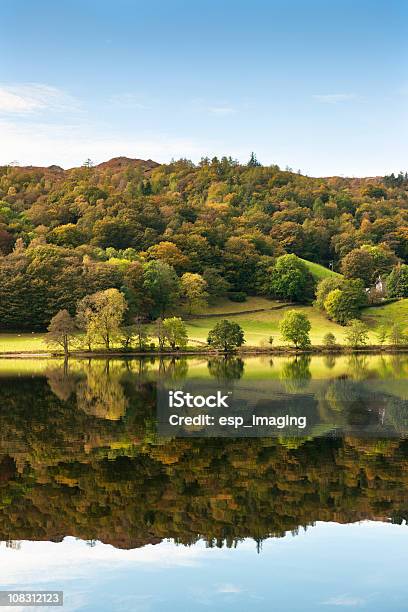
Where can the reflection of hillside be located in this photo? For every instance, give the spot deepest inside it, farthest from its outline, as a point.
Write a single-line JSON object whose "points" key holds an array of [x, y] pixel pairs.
{"points": [[79, 456]]}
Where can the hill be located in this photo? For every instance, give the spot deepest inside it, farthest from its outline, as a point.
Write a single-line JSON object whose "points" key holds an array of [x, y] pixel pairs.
{"points": [[135, 225]]}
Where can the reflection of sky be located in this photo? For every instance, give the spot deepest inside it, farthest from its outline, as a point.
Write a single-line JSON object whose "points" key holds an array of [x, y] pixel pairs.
{"points": [[329, 567]]}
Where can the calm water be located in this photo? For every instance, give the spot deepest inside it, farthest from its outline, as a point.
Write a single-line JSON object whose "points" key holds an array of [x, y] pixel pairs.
{"points": [[93, 502]]}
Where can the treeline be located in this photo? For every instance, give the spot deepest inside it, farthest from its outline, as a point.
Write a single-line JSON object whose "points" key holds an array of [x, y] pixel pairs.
{"points": [[171, 237]]}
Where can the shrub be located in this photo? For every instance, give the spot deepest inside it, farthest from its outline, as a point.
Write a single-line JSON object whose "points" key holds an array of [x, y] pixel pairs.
{"points": [[329, 340]]}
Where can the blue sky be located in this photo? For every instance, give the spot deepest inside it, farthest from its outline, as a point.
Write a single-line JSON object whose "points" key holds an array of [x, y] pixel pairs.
{"points": [[316, 85]]}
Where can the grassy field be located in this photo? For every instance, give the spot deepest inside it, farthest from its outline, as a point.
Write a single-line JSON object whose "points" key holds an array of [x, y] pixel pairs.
{"points": [[258, 326], [22, 343]]}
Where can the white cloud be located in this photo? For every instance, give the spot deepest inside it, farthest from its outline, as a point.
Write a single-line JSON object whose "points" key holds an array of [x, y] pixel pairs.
{"points": [[129, 100], [34, 97], [335, 98], [69, 144], [229, 588], [345, 601], [39, 563], [221, 110]]}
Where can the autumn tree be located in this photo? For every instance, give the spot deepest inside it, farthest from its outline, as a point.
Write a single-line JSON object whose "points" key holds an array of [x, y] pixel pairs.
{"points": [[62, 331], [194, 291], [101, 314]]}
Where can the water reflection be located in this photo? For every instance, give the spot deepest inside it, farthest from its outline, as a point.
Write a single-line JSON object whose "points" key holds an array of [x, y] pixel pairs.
{"points": [[79, 455]]}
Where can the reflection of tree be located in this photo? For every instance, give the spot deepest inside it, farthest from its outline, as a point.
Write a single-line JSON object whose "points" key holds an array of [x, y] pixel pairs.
{"points": [[174, 369], [226, 368], [329, 361], [62, 382], [296, 373], [358, 367], [101, 393]]}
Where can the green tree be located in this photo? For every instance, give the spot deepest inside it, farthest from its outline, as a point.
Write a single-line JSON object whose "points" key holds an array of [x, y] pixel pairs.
{"points": [[175, 332], [61, 331], [101, 315], [382, 333], [397, 282], [325, 286], [342, 305], [226, 336], [295, 327], [356, 333], [329, 340], [291, 280], [194, 291], [162, 285], [396, 333]]}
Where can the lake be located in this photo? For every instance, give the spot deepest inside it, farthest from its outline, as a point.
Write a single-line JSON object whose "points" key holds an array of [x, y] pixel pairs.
{"points": [[95, 503]]}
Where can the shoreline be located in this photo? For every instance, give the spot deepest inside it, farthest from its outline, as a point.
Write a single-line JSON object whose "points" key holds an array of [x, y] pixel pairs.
{"points": [[249, 351]]}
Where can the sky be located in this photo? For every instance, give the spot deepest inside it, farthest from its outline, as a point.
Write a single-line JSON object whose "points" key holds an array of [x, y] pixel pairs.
{"points": [[328, 568], [318, 86]]}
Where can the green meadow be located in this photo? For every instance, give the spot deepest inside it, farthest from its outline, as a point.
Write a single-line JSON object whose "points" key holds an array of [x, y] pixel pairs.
{"points": [[259, 324]]}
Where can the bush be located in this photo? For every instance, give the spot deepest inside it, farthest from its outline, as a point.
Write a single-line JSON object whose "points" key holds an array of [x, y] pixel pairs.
{"points": [[357, 333], [237, 296], [329, 340]]}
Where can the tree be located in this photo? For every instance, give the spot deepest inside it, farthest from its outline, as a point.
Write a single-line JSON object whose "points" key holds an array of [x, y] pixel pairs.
{"points": [[140, 332], [382, 334], [194, 291], [295, 327], [162, 285], [325, 286], [291, 279], [127, 334], [329, 340], [216, 284], [397, 282], [342, 305], [101, 315], [169, 253], [359, 263], [397, 333], [253, 162], [356, 334], [61, 331], [226, 336], [160, 333], [175, 332]]}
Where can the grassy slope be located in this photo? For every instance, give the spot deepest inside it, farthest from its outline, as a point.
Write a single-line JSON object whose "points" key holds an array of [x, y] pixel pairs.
{"points": [[258, 326], [317, 271], [385, 315]]}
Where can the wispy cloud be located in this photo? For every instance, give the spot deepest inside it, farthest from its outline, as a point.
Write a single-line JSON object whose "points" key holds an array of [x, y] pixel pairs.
{"points": [[335, 98], [229, 588], [68, 144], [221, 110], [29, 98], [129, 100], [345, 601]]}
